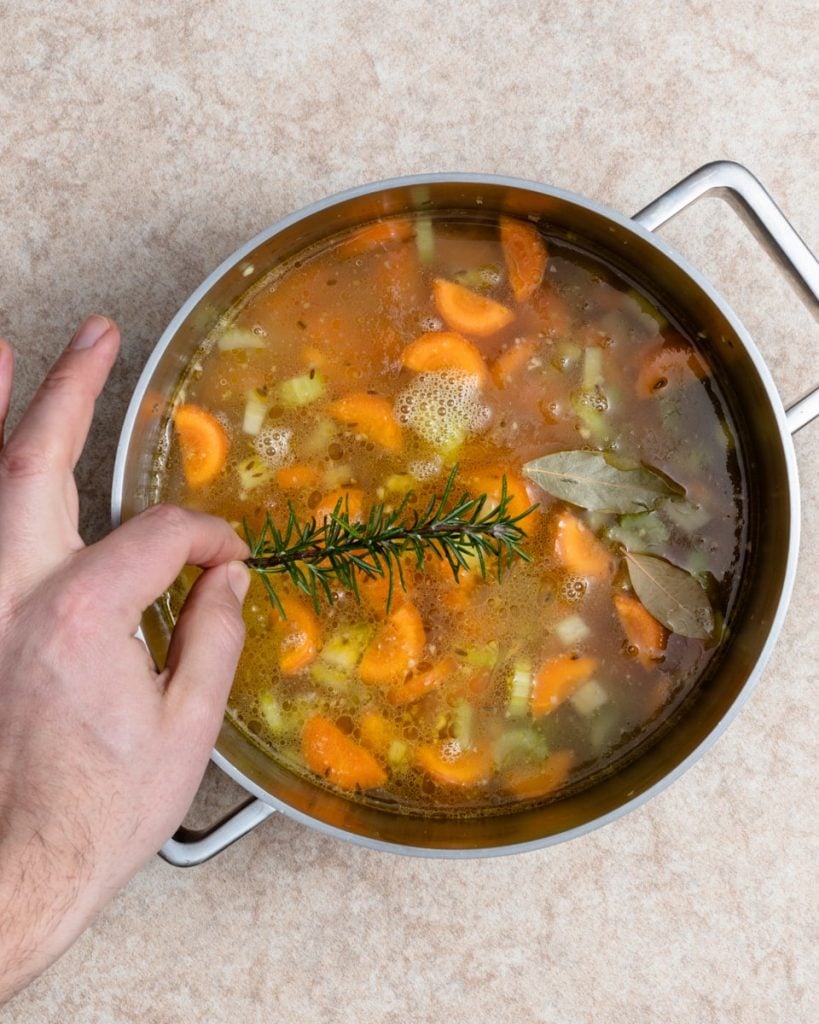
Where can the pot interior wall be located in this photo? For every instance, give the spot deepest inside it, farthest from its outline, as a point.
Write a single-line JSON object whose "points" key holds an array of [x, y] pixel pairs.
{"points": [[768, 485]]}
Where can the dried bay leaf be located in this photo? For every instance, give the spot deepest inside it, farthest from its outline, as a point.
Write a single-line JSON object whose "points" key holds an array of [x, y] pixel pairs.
{"points": [[673, 596], [589, 480]]}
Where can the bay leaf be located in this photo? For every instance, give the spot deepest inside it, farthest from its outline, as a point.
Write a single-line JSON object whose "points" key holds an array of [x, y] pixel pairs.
{"points": [[589, 480], [673, 596]]}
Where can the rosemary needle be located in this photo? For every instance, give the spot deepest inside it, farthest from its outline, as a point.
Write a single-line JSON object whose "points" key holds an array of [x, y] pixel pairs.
{"points": [[317, 557]]}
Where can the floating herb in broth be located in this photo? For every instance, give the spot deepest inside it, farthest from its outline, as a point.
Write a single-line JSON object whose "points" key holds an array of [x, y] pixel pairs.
{"points": [[415, 360]]}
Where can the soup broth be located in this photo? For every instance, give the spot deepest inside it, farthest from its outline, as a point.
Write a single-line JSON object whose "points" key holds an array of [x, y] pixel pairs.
{"points": [[368, 369]]}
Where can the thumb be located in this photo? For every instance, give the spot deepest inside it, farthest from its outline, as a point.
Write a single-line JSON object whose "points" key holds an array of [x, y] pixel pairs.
{"points": [[206, 645]]}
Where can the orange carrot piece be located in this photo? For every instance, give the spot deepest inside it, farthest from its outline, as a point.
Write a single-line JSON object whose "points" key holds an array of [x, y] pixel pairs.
{"points": [[470, 768], [666, 367], [528, 781], [580, 551], [371, 416], [337, 758], [204, 444], [457, 598], [421, 683], [552, 311], [467, 311], [396, 649], [512, 361], [374, 590], [489, 481], [294, 478], [300, 635], [642, 630], [379, 235], [352, 504], [557, 679], [525, 255], [377, 732], [444, 350]]}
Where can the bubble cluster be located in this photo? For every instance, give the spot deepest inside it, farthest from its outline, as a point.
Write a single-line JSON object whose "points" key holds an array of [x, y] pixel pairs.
{"points": [[273, 445], [443, 406]]}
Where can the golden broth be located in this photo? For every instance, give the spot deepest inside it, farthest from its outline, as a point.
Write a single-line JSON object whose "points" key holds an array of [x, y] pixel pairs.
{"points": [[501, 690]]}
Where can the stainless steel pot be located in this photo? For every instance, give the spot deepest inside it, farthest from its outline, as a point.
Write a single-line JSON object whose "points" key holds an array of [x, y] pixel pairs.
{"points": [[629, 244]]}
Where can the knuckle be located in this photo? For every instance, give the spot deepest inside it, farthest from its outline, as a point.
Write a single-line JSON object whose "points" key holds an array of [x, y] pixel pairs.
{"points": [[170, 518], [64, 378], [19, 461]]}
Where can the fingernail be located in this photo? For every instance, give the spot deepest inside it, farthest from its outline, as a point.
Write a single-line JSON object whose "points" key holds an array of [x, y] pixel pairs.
{"points": [[90, 332], [238, 576]]}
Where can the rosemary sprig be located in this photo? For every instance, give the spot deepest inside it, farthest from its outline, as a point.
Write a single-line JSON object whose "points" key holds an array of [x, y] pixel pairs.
{"points": [[315, 556]]}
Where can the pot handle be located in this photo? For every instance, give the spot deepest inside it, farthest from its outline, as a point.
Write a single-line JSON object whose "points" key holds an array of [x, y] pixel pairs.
{"points": [[190, 847], [746, 193]]}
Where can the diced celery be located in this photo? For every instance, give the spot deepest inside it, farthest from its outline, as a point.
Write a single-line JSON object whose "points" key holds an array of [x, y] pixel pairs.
{"points": [[567, 355], [588, 698], [342, 650], [337, 474], [485, 656], [256, 406], [301, 390], [592, 368], [424, 239], [326, 675], [697, 563], [685, 514], [643, 531], [481, 279], [238, 337], [593, 420], [520, 688], [253, 473], [516, 745], [399, 483], [572, 630], [397, 752], [605, 728], [463, 723], [320, 438], [655, 319], [272, 713]]}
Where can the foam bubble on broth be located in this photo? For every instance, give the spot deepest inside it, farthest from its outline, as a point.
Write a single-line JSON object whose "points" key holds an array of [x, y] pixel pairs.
{"points": [[440, 404], [273, 445]]}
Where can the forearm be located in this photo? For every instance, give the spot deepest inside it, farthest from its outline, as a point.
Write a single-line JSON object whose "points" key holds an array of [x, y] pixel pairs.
{"points": [[44, 897]]}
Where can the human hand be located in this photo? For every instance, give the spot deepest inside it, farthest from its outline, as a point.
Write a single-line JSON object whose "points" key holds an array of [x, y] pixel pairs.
{"points": [[100, 754]]}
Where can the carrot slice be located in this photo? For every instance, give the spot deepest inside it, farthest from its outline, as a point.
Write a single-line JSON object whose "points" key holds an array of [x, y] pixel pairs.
{"points": [[467, 311], [293, 478], [444, 350], [552, 311], [371, 416], [542, 780], [489, 481], [421, 683], [556, 680], [379, 235], [470, 768], [334, 756], [642, 630], [352, 504], [377, 732], [396, 649], [300, 635], [204, 444], [512, 361], [525, 256], [374, 590], [580, 551], [666, 367]]}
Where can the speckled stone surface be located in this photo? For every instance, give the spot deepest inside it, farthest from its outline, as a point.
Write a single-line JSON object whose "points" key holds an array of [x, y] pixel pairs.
{"points": [[141, 143]]}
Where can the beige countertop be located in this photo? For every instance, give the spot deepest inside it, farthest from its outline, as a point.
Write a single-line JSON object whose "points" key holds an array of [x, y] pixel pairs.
{"points": [[141, 143]]}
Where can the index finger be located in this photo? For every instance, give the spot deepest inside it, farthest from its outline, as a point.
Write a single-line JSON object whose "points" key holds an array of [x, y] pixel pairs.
{"points": [[139, 560]]}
